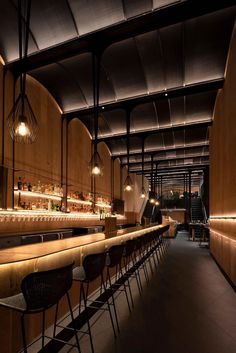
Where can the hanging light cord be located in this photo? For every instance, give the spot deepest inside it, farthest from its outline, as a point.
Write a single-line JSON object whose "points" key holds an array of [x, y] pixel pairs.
{"points": [[23, 43], [96, 74], [152, 173], [142, 162], [128, 132]]}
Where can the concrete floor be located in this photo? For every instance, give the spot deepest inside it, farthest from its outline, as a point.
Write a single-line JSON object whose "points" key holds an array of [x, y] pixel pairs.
{"points": [[187, 307]]}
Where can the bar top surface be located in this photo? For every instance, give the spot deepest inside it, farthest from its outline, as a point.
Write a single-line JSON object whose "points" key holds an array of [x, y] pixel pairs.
{"points": [[32, 251]]}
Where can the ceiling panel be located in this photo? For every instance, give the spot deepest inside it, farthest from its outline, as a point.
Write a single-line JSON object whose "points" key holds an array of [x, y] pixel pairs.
{"points": [[197, 135], [172, 51], [206, 45], [122, 62], [92, 15], [9, 44], [144, 117], [59, 26], [136, 7]]}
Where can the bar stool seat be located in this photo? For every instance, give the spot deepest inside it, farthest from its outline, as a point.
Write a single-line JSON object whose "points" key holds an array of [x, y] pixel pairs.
{"points": [[16, 302], [79, 274], [39, 292]]}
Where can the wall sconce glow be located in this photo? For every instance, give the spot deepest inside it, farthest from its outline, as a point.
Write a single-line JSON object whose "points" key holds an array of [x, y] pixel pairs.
{"points": [[157, 203], [128, 184], [152, 200]]}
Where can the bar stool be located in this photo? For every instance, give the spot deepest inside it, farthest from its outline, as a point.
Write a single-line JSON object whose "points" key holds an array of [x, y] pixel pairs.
{"points": [[92, 269], [113, 261], [39, 292], [131, 270], [140, 249]]}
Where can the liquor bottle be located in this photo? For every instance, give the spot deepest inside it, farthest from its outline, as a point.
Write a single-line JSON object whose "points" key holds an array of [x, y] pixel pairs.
{"points": [[29, 187], [20, 184], [39, 186], [25, 185]]}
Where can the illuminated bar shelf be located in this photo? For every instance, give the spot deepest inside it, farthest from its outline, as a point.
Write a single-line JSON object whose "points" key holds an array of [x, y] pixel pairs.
{"points": [[37, 194], [101, 204], [81, 202]]}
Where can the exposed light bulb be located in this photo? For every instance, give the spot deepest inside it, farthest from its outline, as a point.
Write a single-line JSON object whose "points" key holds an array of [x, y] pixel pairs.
{"points": [[128, 188], [152, 200], [22, 129], [157, 203], [142, 196], [96, 170]]}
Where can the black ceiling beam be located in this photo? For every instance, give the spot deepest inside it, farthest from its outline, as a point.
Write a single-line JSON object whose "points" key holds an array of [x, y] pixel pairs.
{"points": [[146, 133], [150, 21], [175, 168], [155, 152], [130, 103], [196, 177], [166, 159]]}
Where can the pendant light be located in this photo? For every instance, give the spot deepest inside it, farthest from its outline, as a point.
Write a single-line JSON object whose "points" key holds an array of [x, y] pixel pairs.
{"points": [[96, 164], [157, 203], [128, 184], [143, 191], [21, 121], [152, 193]]}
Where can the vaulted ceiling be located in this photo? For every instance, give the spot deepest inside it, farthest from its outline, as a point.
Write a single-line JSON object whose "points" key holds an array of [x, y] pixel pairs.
{"points": [[162, 63]]}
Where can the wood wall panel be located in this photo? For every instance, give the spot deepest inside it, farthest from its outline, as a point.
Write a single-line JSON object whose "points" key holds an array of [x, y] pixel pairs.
{"points": [[42, 160], [43, 157], [117, 180], [223, 170], [79, 155], [103, 183]]}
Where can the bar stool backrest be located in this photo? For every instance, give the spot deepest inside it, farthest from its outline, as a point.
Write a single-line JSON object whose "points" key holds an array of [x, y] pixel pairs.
{"points": [[44, 289], [129, 247], [115, 253], [93, 265]]}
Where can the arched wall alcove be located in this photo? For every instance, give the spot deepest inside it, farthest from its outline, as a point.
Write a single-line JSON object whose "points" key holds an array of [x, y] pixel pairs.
{"points": [[103, 183], [79, 155], [117, 181]]}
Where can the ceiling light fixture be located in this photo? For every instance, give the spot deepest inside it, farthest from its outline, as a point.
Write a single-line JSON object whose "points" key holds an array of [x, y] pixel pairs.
{"points": [[152, 196], [96, 164], [143, 191], [21, 121], [128, 184]]}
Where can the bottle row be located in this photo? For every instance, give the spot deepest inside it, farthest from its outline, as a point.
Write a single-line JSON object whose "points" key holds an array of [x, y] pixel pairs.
{"points": [[52, 200], [47, 188]]}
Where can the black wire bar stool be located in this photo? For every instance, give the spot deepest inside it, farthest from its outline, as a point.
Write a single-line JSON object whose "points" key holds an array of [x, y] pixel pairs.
{"points": [[39, 292], [92, 268], [113, 262], [131, 270]]}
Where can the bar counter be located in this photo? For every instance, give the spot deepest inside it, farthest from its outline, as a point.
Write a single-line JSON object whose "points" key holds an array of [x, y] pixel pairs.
{"points": [[17, 262]]}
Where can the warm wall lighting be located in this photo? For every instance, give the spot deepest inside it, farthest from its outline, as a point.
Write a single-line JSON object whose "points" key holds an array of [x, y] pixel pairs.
{"points": [[157, 203]]}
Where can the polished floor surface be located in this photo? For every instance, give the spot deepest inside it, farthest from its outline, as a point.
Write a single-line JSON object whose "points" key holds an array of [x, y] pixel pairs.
{"points": [[187, 307]]}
